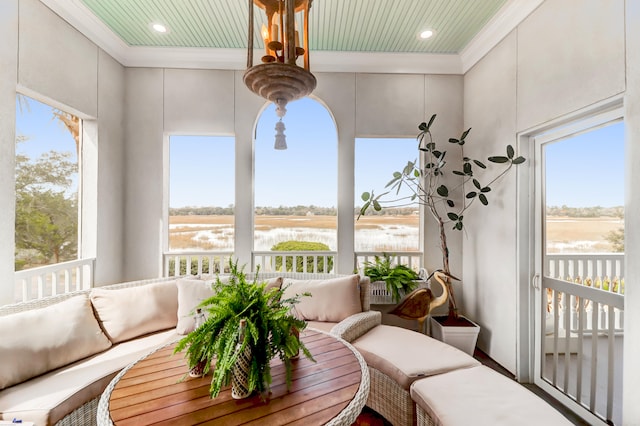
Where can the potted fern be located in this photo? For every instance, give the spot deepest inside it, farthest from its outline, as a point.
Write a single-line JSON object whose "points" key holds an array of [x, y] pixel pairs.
{"points": [[434, 185], [246, 326], [398, 279]]}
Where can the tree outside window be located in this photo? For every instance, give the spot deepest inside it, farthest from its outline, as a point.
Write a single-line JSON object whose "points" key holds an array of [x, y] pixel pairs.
{"points": [[47, 147]]}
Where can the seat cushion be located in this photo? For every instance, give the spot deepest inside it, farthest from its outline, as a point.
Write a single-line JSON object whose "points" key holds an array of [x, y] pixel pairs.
{"points": [[481, 396], [331, 300], [126, 313], [321, 325], [406, 355], [46, 399], [40, 340]]}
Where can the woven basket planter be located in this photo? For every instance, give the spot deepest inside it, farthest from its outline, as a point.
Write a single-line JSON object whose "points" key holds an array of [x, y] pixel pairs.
{"points": [[381, 296]]}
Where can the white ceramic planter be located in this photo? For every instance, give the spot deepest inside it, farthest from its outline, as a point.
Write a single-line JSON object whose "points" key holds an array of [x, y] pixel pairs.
{"points": [[463, 338]]}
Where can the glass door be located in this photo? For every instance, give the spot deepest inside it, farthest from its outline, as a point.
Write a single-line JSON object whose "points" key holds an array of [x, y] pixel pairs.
{"points": [[580, 252]]}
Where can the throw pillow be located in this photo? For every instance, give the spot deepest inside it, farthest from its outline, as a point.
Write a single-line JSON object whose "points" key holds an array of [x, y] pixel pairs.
{"points": [[193, 290], [40, 340], [331, 300], [130, 312]]}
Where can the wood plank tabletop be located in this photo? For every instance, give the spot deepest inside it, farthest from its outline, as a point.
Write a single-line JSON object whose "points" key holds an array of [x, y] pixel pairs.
{"points": [[157, 390]]}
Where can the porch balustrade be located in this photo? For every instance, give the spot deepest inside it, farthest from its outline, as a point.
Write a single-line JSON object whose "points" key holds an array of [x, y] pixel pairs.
{"points": [[588, 310], [196, 262], [275, 261], [295, 261], [584, 330], [413, 259], [51, 280]]}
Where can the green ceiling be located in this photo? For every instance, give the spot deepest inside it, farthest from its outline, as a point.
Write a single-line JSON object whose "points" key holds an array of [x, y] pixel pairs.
{"points": [[335, 25]]}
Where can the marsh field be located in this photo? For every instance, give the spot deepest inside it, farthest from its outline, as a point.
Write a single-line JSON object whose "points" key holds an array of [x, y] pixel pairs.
{"points": [[373, 233]]}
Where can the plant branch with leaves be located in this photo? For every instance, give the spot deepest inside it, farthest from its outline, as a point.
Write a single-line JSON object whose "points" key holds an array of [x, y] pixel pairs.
{"points": [[435, 187]]}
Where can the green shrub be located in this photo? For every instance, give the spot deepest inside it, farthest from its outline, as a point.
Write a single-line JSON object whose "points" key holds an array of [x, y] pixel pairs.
{"points": [[302, 246]]}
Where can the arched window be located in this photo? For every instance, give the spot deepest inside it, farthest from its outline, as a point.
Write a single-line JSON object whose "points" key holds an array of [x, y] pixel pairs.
{"points": [[295, 194]]}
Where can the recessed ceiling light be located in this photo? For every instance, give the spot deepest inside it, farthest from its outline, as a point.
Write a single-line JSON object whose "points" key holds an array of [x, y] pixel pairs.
{"points": [[159, 28], [426, 34]]}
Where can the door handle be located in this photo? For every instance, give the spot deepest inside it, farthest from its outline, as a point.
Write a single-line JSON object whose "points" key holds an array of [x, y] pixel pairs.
{"points": [[535, 281]]}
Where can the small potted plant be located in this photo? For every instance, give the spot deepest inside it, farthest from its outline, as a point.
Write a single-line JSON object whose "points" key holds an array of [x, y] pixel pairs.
{"points": [[434, 185], [246, 326], [398, 279]]}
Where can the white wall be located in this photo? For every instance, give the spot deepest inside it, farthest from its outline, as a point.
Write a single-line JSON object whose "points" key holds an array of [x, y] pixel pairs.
{"points": [[444, 97], [144, 100], [109, 214], [56, 61], [8, 79], [561, 59], [489, 283]]}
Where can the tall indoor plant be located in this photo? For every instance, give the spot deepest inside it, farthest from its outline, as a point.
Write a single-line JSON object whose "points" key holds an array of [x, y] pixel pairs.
{"points": [[434, 184], [248, 322]]}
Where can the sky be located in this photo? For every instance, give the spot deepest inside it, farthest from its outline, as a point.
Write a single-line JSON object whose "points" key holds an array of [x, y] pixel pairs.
{"points": [[303, 174], [583, 171], [586, 170], [35, 121]]}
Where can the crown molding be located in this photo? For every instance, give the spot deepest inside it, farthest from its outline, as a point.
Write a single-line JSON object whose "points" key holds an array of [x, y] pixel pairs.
{"points": [[507, 18], [321, 61], [379, 62]]}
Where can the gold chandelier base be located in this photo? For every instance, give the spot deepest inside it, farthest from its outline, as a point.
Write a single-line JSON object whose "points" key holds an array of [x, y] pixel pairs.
{"points": [[278, 82]]}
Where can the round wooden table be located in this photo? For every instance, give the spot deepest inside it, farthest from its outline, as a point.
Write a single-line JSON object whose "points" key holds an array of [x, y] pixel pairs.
{"points": [[154, 390]]}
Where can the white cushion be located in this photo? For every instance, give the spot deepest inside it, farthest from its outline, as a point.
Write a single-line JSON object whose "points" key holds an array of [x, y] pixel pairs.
{"points": [[481, 396], [46, 399], [321, 325], [406, 355], [36, 341], [332, 300], [130, 312], [193, 290]]}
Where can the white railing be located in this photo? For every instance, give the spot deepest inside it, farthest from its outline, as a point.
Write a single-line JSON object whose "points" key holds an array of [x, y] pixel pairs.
{"points": [[583, 327], [599, 270], [196, 262], [585, 362], [51, 280], [204, 262], [604, 272], [413, 259], [304, 261]]}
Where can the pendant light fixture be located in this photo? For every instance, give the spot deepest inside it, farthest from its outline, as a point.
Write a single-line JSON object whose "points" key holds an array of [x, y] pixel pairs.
{"points": [[279, 78]]}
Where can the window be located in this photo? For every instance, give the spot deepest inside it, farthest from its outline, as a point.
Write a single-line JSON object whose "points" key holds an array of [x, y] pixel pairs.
{"points": [[47, 182], [392, 229], [295, 188], [584, 190], [201, 193]]}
